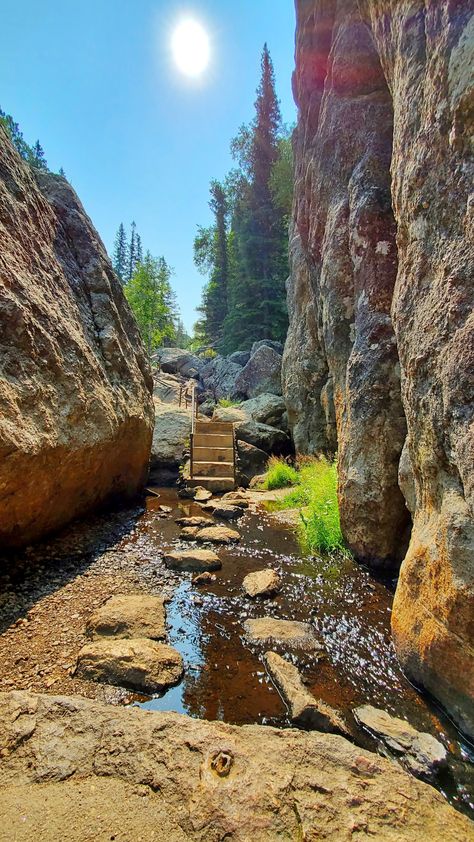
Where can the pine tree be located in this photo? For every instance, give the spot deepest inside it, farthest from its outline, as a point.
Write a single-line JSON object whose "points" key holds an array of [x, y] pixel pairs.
{"points": [[62, 173], [138, 249], [119, 258], [38, 159], [16, 136], [132, 252]]}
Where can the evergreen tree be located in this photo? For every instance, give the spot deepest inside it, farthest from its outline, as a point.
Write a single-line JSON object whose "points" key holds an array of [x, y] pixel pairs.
{"points": [[210, 255], [132, 252], [37, 158], [62, 173], [119, 258], [139, 253]]}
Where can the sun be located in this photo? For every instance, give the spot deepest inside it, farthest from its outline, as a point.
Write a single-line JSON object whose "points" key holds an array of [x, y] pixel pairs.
{"points": [[190, 47]]}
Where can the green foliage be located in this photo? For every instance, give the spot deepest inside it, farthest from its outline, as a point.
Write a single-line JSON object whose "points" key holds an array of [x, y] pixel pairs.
{"points": [[34, 155], [208, 354], [211, 258], [119, 257], [279, 474], [151, 298], [282, 177], [316, 496], [228, 402]]}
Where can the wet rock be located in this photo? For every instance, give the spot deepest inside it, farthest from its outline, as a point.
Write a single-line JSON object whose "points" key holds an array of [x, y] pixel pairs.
{"points": [[261, 374], [165, 509], [205, 578], [292, 634], [76, 414], [194, 520], [236, 498], [128, 616], [218, 535], [305, 710], [420, 753], [192, 560], [262, 583], [213, 779], [189, 533], [228, 512], [138, 664]]}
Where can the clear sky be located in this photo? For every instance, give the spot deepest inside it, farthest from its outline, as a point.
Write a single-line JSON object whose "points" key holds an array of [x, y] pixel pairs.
{"points": [[96, 83]]}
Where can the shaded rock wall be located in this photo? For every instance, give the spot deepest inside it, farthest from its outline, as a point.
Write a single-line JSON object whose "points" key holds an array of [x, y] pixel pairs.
{"points": [[76, 415], [383, 229]]}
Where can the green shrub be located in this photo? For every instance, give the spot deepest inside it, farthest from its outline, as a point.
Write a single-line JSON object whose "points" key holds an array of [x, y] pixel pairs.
{"points": [[316, 495], [280, 474], [227, 402]]}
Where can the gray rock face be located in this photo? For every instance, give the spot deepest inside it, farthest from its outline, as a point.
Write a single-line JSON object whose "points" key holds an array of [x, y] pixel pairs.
{"points": [[251, 461], [305, 710], [177, 361], [175, 763], [262, 374], [266, 409], [420, 753], [262, 436], [76, 415], [139, 664], [381, 303], [170, 437], [219, 376], [239, 357], [267, 343], [128, 616]]}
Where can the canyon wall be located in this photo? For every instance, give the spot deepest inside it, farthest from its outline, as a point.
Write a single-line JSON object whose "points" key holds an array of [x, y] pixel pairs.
{"points": [[76, 414], [379, 360]]}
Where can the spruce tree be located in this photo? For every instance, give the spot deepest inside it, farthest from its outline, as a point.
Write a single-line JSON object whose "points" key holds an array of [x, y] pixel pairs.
{"points": [[62, 173], [119, 258], [132, 252], [138, 249], [38, 159]]}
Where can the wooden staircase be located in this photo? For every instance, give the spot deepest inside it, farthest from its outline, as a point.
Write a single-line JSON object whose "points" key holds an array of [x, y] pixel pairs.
{"points": [[213, 455]]}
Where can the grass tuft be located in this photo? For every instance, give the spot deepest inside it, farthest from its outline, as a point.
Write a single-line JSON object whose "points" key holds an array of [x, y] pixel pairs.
{"points": [[228, 402], [279, 474]]}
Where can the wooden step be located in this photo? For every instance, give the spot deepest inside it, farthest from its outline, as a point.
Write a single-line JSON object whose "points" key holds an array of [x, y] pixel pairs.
{"points": [[214, 427], [213, 454], [212, 440], [213, 469], [214, 484]]}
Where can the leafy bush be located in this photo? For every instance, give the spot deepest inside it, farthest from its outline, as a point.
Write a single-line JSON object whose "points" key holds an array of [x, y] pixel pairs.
{"points": [[280, 474], [227, 402], [208, 354], [316, 495]]}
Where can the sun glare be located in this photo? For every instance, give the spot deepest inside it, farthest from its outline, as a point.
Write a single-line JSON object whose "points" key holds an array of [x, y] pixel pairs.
{"points": [[190, 46]]}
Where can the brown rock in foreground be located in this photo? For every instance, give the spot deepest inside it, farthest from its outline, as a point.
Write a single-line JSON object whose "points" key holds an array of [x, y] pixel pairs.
{"points": [[76, 415], [290, 633], [211, 780], [305, 710], [139, 664], [128, 616], [262, 583], [380, 351], [218, 535], [199, 560]]}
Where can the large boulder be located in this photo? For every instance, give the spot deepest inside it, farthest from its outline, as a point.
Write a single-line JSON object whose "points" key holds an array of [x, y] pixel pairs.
{"points": [[170, 437], [266, 409], [239, 357], [177, 361], [129, 615], [218, 377], [266, 343], [139, 663], [262, 436], [251, 462], [381, 302], [192, 780], [76, 415], [261, 374]]}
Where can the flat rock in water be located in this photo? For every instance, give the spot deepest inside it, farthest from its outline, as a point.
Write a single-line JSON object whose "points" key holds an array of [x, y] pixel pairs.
{"points": [[228, 512], [166, 509], [262, 583], [205, 578], [199, 560], [189, 533], [202, 495], [195, 520], [218, 535], [305, 710], [419, 752], [139, 664], [293, 634], [127, 616]]}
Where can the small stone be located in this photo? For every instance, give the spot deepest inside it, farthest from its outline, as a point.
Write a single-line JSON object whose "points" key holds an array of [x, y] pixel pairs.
{"points": [[202, 495], [189, 533], [166, 509], [200, 560], [291, 633], [262, 583], [139, 664], [227, 512], [204, 578], [195, 520], [218, 535], [418, 752], [305, 710]]}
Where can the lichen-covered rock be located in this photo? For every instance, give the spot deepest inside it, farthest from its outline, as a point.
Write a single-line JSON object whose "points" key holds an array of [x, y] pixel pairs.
{"points": [[266, 409], [267, 343], [261, 374], [209, 780], [381, 303], [76, 415], [262, 436]]}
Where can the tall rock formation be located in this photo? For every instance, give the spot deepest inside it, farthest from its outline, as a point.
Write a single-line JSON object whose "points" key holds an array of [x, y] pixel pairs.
{"points": [[76, 414], [381, 304]]}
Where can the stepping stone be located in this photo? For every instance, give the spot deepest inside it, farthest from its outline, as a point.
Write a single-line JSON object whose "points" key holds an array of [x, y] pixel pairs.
{"points": [[127, 616], [165, 509], [305, 710], [199, 560], [138, 664], [227, 512], [292, 634], [189, 533], [262, 583], [202, 495], [236, 498], [218, 535], [204, 578], [418, 752], [195, 520]]}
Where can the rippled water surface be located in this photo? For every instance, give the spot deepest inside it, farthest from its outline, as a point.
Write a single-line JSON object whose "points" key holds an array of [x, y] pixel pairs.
{"points": [[225, 677]]}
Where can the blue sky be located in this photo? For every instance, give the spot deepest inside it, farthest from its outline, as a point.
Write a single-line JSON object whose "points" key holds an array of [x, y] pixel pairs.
{"points": [[95, 82]]}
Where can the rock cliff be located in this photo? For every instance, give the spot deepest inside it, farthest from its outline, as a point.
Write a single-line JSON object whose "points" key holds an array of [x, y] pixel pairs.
{"points": [[76, 415], [379, 358]]}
